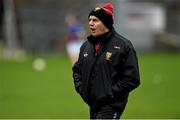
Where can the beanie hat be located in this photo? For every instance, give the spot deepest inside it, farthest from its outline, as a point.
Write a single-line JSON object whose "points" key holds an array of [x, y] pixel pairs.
{"points": [[105, 14]]}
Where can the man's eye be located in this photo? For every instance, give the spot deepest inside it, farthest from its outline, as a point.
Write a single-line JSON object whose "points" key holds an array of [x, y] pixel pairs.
{"points": [[90, 20]]}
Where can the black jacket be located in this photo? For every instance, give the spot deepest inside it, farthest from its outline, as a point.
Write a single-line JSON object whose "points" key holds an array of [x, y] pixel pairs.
{"points": [[108, 76]]}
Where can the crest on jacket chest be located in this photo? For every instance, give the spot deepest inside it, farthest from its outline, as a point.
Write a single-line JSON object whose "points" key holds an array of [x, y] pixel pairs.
{"points": [[108, 55]]}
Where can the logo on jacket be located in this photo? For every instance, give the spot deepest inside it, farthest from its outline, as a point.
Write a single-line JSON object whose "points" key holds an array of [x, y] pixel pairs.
{"points": [[116, 47], [85, 54], [108, 55]]}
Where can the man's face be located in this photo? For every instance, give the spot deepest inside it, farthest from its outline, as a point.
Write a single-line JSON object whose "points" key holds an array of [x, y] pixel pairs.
{"points": [[97, 27]]}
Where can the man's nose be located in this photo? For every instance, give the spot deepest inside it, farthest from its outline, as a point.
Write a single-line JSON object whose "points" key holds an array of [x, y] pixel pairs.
{"points": [[91, 22]]}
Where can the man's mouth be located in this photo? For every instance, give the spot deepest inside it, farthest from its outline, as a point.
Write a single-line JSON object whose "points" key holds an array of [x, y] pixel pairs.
{"points": [[92, 30]]}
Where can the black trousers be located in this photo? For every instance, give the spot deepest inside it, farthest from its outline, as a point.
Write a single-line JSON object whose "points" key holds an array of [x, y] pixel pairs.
{"points": [[107, 112]]}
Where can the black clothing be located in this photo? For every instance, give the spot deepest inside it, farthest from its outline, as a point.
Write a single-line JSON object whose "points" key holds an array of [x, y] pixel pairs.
{"points": [[107, 112], [108, 76]]}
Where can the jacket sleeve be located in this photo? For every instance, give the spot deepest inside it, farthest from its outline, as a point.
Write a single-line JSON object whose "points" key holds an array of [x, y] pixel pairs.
{"points": [[77, 76], [129, 77]]}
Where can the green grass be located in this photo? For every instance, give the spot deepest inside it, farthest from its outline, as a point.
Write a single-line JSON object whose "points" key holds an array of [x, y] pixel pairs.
{"points": [[28, 93], [159, 93]]}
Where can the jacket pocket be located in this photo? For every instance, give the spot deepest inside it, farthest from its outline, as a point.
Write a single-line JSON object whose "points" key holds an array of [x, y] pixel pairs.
{"points": [[118, 95]]}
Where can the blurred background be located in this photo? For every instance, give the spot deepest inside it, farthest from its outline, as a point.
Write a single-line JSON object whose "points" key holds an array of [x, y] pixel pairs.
{"points": [[35, 70]]}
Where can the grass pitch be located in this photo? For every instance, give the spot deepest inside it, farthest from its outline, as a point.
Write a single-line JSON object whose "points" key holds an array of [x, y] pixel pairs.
{"points": [[48, 93]]}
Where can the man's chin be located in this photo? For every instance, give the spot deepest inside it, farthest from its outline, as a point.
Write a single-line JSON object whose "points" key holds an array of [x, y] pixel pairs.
{"points": [[95, 35]]}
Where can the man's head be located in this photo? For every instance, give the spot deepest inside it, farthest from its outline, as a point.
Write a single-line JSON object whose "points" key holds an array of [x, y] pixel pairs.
{"points": [[101, 19]]}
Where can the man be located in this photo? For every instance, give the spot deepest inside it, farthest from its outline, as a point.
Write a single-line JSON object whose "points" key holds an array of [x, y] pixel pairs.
{"points": [[107, 68]]}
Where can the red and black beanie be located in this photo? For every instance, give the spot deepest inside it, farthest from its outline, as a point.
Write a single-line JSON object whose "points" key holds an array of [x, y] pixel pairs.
{"points": [[105, 14]]}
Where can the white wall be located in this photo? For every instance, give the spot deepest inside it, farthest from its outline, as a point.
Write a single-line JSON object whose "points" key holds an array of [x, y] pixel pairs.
{"points": [[139, 22]]}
